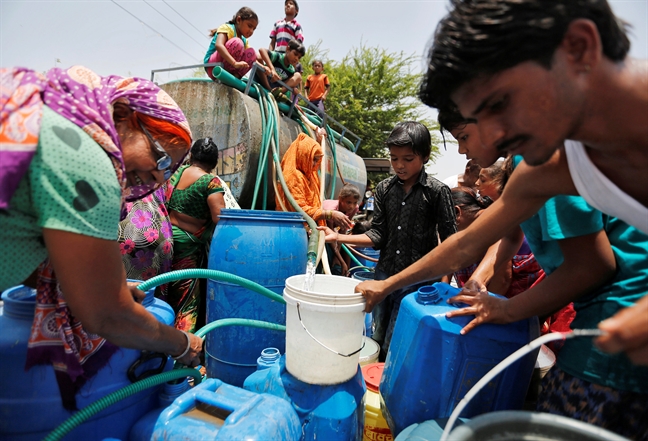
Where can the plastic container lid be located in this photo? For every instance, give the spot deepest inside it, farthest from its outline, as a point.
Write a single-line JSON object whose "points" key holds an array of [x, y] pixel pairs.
{"points": [[369, 353], [546, 358], [372, 374]]}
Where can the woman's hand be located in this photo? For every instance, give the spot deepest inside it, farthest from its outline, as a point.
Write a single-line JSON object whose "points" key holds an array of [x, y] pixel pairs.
{"points": [[374, 291], [485, 308], [240, 65], [138, 294], [192, 357], [330, 235], [627, 331], [341, 220]]}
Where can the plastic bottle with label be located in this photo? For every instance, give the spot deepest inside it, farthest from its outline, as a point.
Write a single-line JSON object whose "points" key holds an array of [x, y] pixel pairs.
{"points": [[375, 428]]}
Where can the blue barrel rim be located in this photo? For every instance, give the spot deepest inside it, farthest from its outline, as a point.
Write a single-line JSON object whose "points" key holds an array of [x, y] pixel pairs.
{"points": [[267, 215], [361, 275], [14, 294]]}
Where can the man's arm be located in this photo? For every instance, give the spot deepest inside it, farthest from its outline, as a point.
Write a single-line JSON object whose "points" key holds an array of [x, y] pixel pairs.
{"points": [[528, 189], [588, 264], [495, 262]]}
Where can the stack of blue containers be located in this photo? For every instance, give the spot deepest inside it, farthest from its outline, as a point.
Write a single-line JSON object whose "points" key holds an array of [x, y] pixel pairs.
{"points": [[30, 402], [265, 247]]}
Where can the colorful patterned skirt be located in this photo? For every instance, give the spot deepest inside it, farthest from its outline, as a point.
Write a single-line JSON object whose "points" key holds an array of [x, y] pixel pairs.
{"points": [[186, 296], [622, 412]]}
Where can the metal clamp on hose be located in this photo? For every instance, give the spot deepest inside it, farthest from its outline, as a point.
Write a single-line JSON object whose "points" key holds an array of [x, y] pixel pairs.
{"points": [[326, 347], [145, 357]]}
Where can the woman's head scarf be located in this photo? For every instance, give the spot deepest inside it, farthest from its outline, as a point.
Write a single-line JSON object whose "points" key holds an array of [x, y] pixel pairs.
{"points": [[84, 98], [300, 174]]}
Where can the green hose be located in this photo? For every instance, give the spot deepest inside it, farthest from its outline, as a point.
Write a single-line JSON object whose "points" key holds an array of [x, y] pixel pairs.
{"points": [[238, 322], [354, 258], [89, 411], [230, 80], [313, 240], [334, 170], [201, 273], [263, 150]]}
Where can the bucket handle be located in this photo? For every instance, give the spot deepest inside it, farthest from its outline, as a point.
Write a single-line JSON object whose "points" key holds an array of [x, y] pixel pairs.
{"points": [[323, 345]]}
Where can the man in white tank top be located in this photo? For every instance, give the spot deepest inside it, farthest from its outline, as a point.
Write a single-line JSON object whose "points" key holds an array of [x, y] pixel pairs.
{"points": [[532, 74]]}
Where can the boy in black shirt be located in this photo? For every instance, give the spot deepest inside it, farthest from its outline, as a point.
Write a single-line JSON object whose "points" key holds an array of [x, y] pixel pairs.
{"points": [[412, 212]]}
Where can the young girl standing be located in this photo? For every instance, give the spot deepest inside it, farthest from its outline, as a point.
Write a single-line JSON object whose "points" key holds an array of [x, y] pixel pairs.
{"points": [[229, 44]]}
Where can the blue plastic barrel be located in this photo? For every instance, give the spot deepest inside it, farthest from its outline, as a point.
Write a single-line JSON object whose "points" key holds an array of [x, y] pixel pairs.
{"points": [[369, 252], [30, 402], [430, 367], [214, 410], [331, 413], [364, 275], [265, 247]]}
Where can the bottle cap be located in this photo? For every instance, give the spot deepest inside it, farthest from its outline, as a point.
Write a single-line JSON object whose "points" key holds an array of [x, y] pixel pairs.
{"points": [[372, 374], [428, 295]]}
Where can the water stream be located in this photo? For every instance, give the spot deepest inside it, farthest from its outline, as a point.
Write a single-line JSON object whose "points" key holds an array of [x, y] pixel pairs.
{"points": [[309, 280]]}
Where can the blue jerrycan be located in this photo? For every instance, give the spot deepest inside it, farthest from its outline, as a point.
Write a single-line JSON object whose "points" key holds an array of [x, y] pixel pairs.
{"points": [[216, 411], [431, 366]]}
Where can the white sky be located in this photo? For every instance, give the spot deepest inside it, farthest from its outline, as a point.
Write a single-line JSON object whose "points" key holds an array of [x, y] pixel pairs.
{"points": [[103, 36]]}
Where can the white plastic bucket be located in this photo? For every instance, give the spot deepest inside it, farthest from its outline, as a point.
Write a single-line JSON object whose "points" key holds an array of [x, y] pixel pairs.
{"points": [[369, 354], [324, 329]]}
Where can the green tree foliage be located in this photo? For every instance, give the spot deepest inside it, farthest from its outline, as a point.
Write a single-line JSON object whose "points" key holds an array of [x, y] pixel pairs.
{"points": [[372, 90]]}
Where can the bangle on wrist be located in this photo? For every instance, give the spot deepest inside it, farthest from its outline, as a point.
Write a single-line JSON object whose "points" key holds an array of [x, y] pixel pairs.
{"points": [[186, 351]]}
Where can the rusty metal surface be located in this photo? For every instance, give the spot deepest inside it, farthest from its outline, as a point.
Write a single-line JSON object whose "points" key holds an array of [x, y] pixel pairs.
{"points": [[233, 120]]}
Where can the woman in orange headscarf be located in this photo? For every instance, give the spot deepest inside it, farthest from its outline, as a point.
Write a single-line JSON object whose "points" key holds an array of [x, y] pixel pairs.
{"points": [[299, 165]]}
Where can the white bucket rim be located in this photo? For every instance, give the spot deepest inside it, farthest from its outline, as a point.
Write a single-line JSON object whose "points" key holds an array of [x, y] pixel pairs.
{"points": [[336, 300], [327, 305], [296, 282]]}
